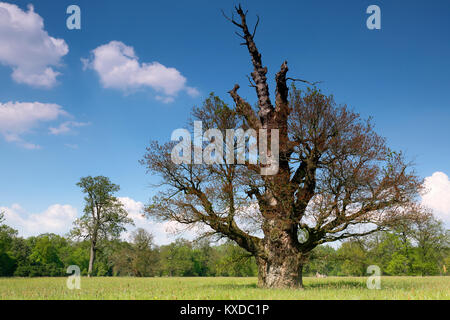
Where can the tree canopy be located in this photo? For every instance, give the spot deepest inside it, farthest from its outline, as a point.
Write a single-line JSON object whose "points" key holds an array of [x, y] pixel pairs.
{"points": [[336, 178], [104, 216]]}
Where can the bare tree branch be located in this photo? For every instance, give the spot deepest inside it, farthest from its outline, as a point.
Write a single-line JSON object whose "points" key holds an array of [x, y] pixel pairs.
{"points": [[259, 72], [305, 81], [245, 109]]}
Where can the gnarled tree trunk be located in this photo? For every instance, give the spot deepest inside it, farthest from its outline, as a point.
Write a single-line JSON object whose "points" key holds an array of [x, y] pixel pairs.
{"points": [[280, 262], [280, 272]]}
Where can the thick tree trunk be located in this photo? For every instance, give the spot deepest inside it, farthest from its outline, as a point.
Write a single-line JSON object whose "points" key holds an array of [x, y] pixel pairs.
{"points": [[281, 266], [92, 258], [285, 275]]}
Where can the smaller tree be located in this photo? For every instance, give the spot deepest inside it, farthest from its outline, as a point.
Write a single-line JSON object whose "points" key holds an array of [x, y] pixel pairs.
{"points": [[7, 236], [121, 259], [233, 261], [177, 260], [323, 260], [144, 258], [353, 257], [104, 215], [398, 264], [20, 251], [46, 254], [432, 241]]}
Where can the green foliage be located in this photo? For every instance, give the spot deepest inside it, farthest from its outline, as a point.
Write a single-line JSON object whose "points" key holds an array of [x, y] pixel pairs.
{"points": [[417, 250], [177, 259], [398, 264], [7, 261], [323, 260], [104, 216], [353, 258], [232, 261], [138, 258], [78, 254], [7, 236], [7, 264]]}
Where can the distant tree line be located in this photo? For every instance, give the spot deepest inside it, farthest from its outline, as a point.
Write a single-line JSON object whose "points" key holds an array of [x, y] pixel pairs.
{"points": [[414, 247], [411, 251], [420, 251], [50, 255]]}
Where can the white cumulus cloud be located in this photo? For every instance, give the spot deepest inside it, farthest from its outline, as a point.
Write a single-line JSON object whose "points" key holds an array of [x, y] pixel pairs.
{"points": [[56, 219], [59, 219], [119, 68], [18, 118], [163, 232], [437, 195], [27, 48]]}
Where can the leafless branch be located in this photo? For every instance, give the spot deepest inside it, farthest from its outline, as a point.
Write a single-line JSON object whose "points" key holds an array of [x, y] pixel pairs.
{"points": [[305, 81]]}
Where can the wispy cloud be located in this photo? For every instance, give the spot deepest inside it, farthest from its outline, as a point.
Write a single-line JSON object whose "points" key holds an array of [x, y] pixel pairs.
{"points": [[67, 127], [71, 146]]}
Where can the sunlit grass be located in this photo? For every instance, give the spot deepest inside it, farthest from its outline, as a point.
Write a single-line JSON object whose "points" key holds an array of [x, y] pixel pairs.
{"points": [[346, 288]]}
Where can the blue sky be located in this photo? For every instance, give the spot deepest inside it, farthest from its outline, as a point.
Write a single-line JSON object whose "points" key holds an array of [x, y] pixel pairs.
{"points": [[399, 75]]}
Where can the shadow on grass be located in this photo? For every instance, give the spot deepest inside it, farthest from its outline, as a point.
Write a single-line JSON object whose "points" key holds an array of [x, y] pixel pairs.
{"points": [[231, 286], [343, 284]]}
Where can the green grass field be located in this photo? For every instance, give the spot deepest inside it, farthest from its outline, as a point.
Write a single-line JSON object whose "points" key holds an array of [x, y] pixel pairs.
{"points": [[403, 288]]}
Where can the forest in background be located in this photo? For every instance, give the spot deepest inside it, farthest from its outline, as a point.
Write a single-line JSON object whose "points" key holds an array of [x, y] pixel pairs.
{"points": [[397, 252]]}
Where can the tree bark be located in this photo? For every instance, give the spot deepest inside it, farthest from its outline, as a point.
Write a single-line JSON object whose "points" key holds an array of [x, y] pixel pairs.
{"points": [[281, 265], [94, 238], [92, 258], [287, 274]]}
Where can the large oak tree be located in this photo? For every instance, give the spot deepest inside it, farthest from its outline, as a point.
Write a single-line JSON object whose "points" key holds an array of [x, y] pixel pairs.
{"points": [[337, 178]]}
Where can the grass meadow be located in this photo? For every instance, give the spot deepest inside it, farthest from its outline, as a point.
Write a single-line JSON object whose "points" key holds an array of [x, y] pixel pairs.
{"points": [[341, 288]]}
